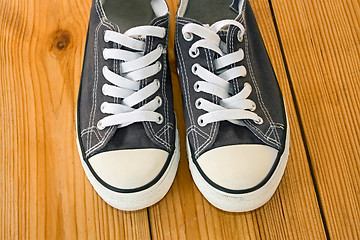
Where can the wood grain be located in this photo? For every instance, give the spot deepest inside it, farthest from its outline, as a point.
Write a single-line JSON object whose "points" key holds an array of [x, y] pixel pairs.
{"points": [[321, 42], [185, 214], [44, 191]]}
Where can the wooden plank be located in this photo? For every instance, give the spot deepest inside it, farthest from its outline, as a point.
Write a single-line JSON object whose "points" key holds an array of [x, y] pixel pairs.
{"points": [[44, 193], [292, 213], [321, 42]]}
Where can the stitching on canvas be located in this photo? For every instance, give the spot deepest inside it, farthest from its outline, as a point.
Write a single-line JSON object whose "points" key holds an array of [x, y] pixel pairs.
{"points": [[257, 131], [262, 105], [148, 125], [231, 42], [183, 73], [212, 129], [166, 106], [163, 129], [103, 22], [152, 132], [198, 131], [88, 142], [213, 125], [90, 131], [83, 132]]}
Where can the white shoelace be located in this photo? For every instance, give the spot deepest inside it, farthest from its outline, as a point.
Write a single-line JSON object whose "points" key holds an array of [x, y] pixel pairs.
{"points": [[135, 66], [232, 108]]}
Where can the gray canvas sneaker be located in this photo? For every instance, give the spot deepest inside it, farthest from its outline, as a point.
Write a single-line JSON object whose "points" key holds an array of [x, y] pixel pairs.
{"points": [[126, 130], [237, 131]]}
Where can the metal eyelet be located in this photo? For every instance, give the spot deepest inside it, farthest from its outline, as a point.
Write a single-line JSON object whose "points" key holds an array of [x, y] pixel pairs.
{"points": [[99, 125], [195, 53], [157, 82], [198, 103], [194, 68], [160, 119], [196, 87], [102, 106], [159, 65], [188, 36], [253, 107], [161, 47], [259, 121], [201, 122], [240, 37], [159, 100]]}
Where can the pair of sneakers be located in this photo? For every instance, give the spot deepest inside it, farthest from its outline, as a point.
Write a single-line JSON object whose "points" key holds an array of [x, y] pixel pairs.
{"points": [[237, 133]]}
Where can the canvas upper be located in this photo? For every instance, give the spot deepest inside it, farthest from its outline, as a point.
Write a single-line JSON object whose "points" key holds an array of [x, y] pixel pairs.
{"points": [[119, 147], [235, 158]]}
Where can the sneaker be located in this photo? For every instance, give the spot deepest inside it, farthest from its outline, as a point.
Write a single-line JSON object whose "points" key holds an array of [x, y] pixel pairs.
{"points": [[126, 130], [237, 131]]}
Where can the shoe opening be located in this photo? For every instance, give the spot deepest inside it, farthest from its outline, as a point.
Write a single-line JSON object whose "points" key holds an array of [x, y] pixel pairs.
{"points": [[127, 14]]}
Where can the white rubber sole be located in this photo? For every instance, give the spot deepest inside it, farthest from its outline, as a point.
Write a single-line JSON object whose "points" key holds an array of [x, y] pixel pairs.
{"points": [[137, 200], [240, 202]]}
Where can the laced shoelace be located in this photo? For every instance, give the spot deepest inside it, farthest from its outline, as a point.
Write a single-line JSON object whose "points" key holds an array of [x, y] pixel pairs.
{"points": [[232, 107], [134, 67]]}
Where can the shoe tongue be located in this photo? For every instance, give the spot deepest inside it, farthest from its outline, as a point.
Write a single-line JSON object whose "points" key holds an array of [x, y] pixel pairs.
{"points": [[237, 5], [223, 35], [227, 38], [154, 22], [231, 35]]}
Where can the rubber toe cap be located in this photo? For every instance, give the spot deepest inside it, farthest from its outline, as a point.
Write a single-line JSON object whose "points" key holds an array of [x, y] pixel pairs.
{"points": [[129, 169], [238, 167]]}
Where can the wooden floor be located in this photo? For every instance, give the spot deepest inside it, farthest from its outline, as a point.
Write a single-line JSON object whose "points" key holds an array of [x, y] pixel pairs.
{"points": [[314, 46]]}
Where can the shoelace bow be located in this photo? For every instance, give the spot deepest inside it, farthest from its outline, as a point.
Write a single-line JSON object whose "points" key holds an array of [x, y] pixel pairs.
{"points": [[135, 66], [232, 108]]}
